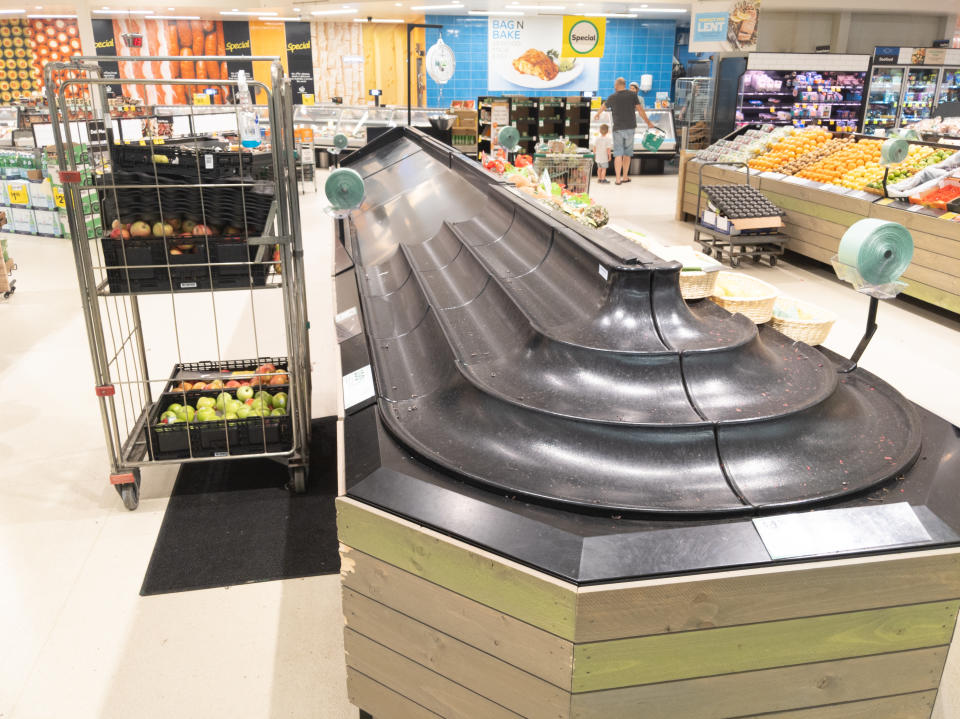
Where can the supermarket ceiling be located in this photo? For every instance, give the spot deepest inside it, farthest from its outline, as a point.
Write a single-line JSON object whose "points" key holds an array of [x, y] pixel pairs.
{"points": [[334, 10]]}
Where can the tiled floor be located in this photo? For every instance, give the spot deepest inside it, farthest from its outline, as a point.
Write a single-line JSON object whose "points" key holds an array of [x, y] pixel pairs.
{"points": [[76, 639]]}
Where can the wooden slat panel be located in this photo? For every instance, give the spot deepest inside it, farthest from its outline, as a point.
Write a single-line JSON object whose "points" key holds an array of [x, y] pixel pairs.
{"points": [[417, 683], [934, 296], [909, 706], [816, 196], [533, 650], [940, 280], [810, 250], [740, 597], [379, 701], [771, 690], [788, 202], [484, 674], [816, 226], [509, 587], [685, 655], [934, 226]]}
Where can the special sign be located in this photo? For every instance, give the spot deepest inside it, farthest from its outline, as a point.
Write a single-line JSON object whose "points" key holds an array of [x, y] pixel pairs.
{"points": [[583, 36]]}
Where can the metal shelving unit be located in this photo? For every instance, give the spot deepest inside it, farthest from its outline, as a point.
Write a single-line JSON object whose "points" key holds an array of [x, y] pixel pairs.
{"points": [[195, 324]]}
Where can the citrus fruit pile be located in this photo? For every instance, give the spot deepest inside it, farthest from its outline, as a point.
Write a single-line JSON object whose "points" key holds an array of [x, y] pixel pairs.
{"points": [[790, 148], [853, 156], [827, 149]]}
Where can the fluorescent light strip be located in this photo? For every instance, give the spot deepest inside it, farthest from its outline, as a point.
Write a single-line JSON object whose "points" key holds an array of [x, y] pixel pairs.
{"points": [[52, 17], [657, 9], [123, 12], [174, 17], [607, 14], [511, 13], [13, 12], [280, 19], [378, 19], [247, 12], [514, 6], [457, 6], [344, 11]]}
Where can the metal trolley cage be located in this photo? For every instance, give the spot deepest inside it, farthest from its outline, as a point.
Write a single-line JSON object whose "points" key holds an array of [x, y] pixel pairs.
{"points": [[571, 171], [736, 247], [126, 383]]}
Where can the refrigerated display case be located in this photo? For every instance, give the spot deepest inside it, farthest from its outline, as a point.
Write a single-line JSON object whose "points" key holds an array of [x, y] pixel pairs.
{"points": [[329, 119], [662, 119], [883, 100], [949, 86], [919, 94]]}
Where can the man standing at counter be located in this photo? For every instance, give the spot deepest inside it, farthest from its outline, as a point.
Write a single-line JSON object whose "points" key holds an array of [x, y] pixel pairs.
{"points": [[623, 105]]}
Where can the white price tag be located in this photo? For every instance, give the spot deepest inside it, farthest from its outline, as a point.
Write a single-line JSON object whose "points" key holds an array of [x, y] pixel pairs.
{"points": [[208, 162], [604, 273], [357, 386], [346, 314]]}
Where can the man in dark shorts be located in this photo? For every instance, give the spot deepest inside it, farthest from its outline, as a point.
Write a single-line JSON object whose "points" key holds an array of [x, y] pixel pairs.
{"points": [[623, 105]]}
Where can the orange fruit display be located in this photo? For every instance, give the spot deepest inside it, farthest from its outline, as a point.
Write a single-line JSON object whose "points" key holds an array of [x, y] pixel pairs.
{"points": [[790, 148]]}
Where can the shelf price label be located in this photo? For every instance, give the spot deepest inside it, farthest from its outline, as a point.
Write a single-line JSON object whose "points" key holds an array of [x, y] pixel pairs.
{"points": [[58, 197], [18, 193]]}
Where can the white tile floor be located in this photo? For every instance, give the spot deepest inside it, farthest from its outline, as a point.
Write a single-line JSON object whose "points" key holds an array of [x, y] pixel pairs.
{"points": [[76, 639]]}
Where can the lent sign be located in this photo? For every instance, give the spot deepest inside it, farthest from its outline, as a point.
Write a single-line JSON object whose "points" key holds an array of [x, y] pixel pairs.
{"points": [[528, 54]]}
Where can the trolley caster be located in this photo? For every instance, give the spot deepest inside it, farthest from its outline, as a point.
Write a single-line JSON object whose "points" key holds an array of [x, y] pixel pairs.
{"points": [[756, 259], [734, 261], [128, 490], [773, 261], [298, 480], [707, 251]]}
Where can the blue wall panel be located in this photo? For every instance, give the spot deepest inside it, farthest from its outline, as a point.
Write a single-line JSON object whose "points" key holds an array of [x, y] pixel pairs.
{"points": [[633, 47]]}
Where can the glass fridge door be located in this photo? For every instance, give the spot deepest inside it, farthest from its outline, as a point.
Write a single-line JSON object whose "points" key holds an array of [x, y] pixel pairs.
{"points": [[883, 100], [919, 94], [949, 86]]}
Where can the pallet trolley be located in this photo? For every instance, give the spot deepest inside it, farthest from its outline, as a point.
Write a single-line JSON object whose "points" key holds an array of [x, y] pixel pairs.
{"points": [[225, 318], [736, 247]]}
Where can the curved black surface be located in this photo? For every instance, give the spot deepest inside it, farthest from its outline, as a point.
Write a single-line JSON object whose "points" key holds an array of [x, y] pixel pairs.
{"points": [[522, 355]]}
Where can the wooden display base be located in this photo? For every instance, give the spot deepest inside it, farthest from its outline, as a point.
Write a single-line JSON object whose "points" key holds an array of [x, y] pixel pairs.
{"points": [[816, 220], [439, 628]]}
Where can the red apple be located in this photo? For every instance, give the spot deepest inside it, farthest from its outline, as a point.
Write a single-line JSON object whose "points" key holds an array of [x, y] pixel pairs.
{"points": [[140, 229], [216, 384], [232, 384], [279, 379], [201, 230], [199, 385]]}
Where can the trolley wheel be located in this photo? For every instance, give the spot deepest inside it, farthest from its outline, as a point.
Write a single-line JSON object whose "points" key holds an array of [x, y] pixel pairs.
{"points": [[756, 259], [298, 480], [130, 494], [773, 261], [707, 251], [734, 261]]}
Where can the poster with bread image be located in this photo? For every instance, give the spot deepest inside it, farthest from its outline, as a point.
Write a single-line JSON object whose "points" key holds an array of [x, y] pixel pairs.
{"points": [[525, 54]]}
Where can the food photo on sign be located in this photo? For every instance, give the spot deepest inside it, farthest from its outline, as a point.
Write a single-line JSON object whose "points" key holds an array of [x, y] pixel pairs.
{"points": [[529, 54], [724, 26]]}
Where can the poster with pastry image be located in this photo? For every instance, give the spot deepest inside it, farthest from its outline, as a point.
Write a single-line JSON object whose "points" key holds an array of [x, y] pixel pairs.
{"points": [[525, 55], [724, 26]]}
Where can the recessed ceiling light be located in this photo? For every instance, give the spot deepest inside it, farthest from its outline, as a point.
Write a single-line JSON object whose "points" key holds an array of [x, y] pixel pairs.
{"points": [[44, 16], [509, 13], [296, 9], [334, 12], [124, 12], [456, 6], [609, 14], [538, 7], [644, 8], [171, 9], [398, 4], [247, 12], [38, 7], [395, 21], [174, 17], [278, 19]]}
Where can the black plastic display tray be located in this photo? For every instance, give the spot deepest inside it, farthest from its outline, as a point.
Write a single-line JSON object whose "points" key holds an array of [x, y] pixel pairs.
{"points": [[210, 371], [253, 435], [191, 159]]}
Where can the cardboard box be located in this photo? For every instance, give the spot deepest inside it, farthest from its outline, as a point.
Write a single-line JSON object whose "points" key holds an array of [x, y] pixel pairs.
{"points": [[48, 223], [41, 195], [23, 220], [747, 226]]}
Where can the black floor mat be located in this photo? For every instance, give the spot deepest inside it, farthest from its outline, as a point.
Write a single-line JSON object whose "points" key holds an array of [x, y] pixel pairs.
{"points": [[234, 523]]}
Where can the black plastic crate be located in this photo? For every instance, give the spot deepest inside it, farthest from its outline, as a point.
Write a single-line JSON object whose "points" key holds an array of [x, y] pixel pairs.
{"points": [[190, 159], [210, 371], [218, 438], [145, 265], [227, 250]]}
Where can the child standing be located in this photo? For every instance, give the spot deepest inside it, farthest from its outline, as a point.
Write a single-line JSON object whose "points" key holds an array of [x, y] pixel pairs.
{"points": [[602, 148]]}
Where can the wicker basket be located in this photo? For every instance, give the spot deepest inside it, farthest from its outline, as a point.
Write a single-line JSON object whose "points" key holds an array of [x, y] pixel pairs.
{"points": [[695, 284], [745, 294], [811, 325]]}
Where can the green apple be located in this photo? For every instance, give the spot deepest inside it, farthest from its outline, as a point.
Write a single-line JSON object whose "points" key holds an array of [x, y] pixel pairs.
{"points": [[222, 399], [243, 412], [176, 408], [264, 397], [280, 400], [169, 417], [244, 393], [230, 415], [233, 405], [278, 412], [257, 411], [206, 403], [206, 414], [190, 413]]}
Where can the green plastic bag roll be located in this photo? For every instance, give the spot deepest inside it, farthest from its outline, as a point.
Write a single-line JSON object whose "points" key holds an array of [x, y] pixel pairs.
{"points": [[880, 250], [344, 188], [894, 150]]}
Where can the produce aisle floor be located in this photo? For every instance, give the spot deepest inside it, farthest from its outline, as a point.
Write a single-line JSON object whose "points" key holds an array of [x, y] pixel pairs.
{"points": [[77, 639]]}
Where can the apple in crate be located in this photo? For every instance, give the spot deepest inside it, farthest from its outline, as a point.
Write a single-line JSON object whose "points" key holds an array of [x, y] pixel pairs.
{"points": [[140, 229], [244, 393], [118, 232], [207, 414], [280, 378], [280, 400], [206, 403], [162, 230], [232, 384], [187, 226], [203, 231]]}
